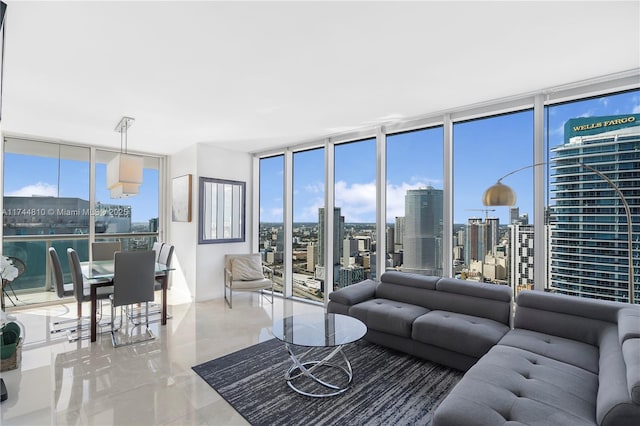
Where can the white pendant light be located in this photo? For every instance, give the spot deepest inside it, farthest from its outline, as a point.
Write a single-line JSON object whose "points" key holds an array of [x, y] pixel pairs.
{"points": [[124, 172]]}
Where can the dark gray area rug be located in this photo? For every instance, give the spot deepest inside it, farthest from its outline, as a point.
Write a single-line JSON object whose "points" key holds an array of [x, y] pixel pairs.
{"points": [[388, 387]]}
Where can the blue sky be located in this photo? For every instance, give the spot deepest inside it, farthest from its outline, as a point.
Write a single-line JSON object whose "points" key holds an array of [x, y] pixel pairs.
{"points": [[484, 150], [70, 178]]}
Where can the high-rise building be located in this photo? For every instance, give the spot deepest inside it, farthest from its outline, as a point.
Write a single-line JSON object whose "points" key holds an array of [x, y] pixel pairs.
{"points": [[422, 238], [588, 249], [399, 233], [390, 240], [338, 235], [514, 214], [474, 242], [349, 249], [311, 257], [521, 256], [493, 234]]}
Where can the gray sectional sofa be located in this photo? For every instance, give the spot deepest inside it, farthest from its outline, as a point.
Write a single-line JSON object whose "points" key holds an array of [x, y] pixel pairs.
{"points": [[565, 361], [451, 322]]}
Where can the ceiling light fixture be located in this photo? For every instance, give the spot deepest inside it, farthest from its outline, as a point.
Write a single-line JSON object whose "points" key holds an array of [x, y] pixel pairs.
{"points": [[124, 172]]}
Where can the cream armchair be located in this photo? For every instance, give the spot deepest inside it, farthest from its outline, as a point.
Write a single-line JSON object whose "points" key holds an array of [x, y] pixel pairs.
{"points": [[245, 272]]}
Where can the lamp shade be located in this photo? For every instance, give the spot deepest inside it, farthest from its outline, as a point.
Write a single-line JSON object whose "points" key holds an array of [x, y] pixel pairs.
{"points": [[499, 195], [125, 169], [124, 190]]}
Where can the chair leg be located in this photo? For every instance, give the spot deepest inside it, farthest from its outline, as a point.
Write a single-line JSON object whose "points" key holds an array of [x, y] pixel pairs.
{"points": [[229, 300], [4, 292]]}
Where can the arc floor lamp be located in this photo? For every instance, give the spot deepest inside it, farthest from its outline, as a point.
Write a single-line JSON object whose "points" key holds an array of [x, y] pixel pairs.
{"points": [[502, 195]]}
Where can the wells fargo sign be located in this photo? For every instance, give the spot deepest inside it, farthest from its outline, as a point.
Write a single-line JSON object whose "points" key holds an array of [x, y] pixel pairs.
{"points": [[585, 126]]}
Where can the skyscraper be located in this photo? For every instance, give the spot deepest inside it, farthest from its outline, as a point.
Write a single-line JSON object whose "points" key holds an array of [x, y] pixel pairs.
{"points": [[589, 250], [338, 236], [399, 233], [514, 215], [474, 244], [422, 238], [521, 256], [493, 235]]}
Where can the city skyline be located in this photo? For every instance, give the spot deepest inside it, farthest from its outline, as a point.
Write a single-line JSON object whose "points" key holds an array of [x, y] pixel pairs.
{"points": [[410, 166]]}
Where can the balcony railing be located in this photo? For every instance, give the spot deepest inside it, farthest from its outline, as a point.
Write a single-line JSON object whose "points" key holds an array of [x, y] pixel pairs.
{"points": [[36, 284]]}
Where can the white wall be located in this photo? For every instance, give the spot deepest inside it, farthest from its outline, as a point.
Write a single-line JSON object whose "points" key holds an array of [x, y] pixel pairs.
{"points": [[183, 235], [201, 266]]}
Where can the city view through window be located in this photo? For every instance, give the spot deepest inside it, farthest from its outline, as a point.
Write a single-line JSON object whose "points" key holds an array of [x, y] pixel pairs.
{"points": [[49, 207], [585, 227]]}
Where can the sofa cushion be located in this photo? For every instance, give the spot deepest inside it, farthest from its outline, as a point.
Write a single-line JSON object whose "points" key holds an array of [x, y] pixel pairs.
{"points": [[355, 293], [387, 316], [466, 334], [628, 324], [571, 317], [408, 288], [514, 386], [614, 406], [631, 354], [570, 351]]}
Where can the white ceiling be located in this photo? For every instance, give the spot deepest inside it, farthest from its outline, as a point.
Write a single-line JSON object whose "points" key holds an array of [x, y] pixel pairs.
{"points": [[250, 76]]}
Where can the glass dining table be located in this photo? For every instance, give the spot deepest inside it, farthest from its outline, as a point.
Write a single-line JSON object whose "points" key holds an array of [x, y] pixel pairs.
{"points": [[99, 273]]}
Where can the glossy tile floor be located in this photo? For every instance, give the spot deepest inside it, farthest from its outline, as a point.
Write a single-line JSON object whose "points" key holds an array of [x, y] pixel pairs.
{"points": [[151, 383]]}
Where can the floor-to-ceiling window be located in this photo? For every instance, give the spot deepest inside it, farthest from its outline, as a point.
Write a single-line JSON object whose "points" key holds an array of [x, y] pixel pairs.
{"points": [[414, 216], [354, 213], [271, 228], [308, 225], [50, 206], [46, 196], [582, 222], [493, 244], [136, 215], [587, 228]]}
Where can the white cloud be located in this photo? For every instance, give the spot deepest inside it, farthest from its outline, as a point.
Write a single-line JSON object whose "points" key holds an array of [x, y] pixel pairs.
{"points": [[276, 213], [39, 189], [357, 201], [396, 195]]}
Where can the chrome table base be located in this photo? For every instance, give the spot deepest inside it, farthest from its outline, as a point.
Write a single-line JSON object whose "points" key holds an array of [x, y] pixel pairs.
{"points": [[307, 369]]}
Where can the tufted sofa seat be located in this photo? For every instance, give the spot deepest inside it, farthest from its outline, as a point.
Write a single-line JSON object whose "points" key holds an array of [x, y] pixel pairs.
{"points": [[452, 322], [568, 361]]}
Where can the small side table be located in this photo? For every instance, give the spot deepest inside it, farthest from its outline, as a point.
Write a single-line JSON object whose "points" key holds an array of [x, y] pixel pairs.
{"points": [[331, 331]]}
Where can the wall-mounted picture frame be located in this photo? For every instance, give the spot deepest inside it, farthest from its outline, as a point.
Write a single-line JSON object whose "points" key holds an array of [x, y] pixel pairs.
{"points": [[181, 198], [222, 211]]}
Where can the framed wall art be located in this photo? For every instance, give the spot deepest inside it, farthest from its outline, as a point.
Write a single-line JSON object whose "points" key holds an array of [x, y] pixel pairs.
{"points": [[181, 199], [222, 211]]}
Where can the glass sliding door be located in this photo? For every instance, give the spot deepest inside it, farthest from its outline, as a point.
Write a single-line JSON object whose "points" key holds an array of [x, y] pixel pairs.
{"points": [[308, 225], [354, 213], [271, 229], [50, 207], [414, 217], [587, 229], [493, 244], [48, 201]]}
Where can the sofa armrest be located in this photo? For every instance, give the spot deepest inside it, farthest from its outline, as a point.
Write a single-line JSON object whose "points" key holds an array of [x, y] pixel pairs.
{"points": [[354, 293]]}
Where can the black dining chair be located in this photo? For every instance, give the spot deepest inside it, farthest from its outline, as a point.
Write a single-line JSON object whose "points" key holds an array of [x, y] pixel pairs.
{"points": [[164, 254], [164, 258], [157, 248], [62, 290], [133, 283], [82, 288]]}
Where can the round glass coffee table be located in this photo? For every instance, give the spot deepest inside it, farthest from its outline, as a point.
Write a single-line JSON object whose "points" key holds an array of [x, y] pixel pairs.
{"points": [[319, 331]]}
